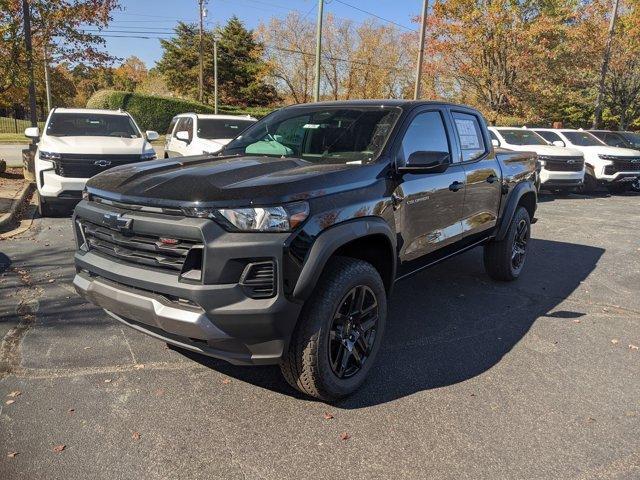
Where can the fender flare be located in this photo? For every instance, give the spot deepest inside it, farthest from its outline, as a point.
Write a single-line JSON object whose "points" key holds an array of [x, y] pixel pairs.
{"points": [[512, 203], [330, 240]]}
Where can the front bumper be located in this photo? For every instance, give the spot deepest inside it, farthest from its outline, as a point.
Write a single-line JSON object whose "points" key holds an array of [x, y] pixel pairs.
{"points": [[618, 177], [558, 179], [214, 316]]}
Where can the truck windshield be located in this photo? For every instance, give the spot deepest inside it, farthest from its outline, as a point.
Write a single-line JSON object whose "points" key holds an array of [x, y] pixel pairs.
{"points": [[211, 128], [583, 139], [522, 137], [633, 139], [320, 134], [91, 125]]}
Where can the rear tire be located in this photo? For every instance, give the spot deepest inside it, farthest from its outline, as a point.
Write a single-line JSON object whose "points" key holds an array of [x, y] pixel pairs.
{"points": [[590, 183], [339, 332], [505, 259]]}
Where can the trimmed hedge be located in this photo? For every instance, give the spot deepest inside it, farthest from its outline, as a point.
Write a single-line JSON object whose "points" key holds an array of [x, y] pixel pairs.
{"points": [[154, 112]]}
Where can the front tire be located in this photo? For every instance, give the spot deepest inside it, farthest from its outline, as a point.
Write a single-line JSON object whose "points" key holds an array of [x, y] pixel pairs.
{"points": [[45, 209], [504, 259], [339, 332]]}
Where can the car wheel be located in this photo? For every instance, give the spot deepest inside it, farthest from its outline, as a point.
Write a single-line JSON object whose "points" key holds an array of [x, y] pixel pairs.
{"points": [[339, 332], [590, 184], [635, 185], [505, 259]]}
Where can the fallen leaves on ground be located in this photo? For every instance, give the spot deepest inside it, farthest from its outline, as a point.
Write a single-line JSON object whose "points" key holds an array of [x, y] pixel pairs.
{"points": [[614, 341], [226, 381], [577, 320], [107, 380], [327, 416], [71, 411], [12, 454], [139, 366], [633, 347], [59, 448], [14, 394], [9, 402], [344, 436], [136, 435]]}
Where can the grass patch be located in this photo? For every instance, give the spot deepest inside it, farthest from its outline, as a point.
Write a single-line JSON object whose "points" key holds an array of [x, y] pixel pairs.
{"points": [[13, 138]]}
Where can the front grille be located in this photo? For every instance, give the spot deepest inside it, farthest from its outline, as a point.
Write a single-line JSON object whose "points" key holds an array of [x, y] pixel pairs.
{"points": [[138, 249], [76, 165], [563, 164], [259, 279], [623, 164]]}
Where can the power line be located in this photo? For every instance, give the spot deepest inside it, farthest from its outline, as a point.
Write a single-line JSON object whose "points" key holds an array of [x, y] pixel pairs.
{"points": [[376, 16]]}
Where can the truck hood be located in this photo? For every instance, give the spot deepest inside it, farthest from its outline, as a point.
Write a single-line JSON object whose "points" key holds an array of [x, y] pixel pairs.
{"points": [[607, 150], [93, 145], [548, 150], [228, 181]]}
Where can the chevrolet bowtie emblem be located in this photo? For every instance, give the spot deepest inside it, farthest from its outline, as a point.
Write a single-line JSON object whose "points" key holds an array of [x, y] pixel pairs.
{"points": [[117, 222], [102, 163]]}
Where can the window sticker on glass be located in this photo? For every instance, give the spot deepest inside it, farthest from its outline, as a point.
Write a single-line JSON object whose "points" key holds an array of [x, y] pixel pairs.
{"points": [[311, 125], [468, 135]]}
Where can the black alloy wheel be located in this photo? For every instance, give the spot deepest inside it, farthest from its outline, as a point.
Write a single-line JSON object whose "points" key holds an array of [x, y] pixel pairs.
{"points": [[353, 331], [519, 249]]}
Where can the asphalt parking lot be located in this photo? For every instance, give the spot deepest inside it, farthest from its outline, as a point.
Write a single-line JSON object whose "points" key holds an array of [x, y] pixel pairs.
{"points": [[534, 379]]}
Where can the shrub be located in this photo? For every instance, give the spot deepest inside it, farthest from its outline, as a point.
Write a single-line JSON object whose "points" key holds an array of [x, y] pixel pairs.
{"points": [[155, 113]]}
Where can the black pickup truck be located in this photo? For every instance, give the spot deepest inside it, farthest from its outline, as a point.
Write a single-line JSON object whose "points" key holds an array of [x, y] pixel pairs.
{"points": [[284, 248]]}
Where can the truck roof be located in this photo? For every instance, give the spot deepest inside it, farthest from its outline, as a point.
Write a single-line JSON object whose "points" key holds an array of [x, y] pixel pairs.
{"points": [[89, 110], [378, 103]]}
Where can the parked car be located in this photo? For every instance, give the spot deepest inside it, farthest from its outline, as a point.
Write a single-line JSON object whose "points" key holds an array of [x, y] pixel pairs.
{"points": [[78, 143], [196, 134], [562, 169], [619, 138], [614, 167], [284, 248]]}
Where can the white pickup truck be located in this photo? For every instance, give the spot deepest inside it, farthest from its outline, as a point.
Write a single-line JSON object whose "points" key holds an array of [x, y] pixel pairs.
{"points": [[77, 144], [198, 134], [562, 169], [614, 167]]}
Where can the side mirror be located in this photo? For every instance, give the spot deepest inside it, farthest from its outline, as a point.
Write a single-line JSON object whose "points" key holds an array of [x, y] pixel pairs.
{"points": [[32, 132], [435, 162], [184, 136], [495, 142], [558, 143], [152, 135]]}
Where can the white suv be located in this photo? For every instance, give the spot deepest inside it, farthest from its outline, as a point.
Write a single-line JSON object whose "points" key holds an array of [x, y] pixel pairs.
{"points": [[196, 134], [77, 144], [616, 168], [562, 169]]}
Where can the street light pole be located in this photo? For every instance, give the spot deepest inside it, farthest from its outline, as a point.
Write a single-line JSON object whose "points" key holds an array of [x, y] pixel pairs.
{"points": [[47, 83], [423, 27], [597, 114], [201, 54], [316, 86], [26, 14], [216, 37]]}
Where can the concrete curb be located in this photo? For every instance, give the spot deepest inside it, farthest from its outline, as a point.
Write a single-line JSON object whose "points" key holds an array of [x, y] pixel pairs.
{"points": [[16, 205]]}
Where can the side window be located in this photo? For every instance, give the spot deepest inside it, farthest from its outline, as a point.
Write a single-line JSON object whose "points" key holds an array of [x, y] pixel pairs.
{"points": [[548, 136], [493, 136], [189, 128], [426, 133], [171, 125], [614, 140], [185, 124], [470, 135]]}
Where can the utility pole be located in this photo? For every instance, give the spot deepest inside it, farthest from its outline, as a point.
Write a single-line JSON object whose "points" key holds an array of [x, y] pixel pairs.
{"points": [[316, 86], [216, 37], [26, 14], [423, 28], [597, 114], [47, 83], [201, 54]]}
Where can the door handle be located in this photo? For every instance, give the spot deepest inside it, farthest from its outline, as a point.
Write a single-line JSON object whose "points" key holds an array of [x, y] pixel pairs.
{"points": [[492, 178], [455, 186]]}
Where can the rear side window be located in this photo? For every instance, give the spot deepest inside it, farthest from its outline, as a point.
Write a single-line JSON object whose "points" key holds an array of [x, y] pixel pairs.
{"points": [[549, 136], [470, 136], [426, 133], [171, 125]]}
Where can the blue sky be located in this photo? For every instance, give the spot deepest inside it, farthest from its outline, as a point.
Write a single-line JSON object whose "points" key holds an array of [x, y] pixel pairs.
{"points": [[154, 18]]}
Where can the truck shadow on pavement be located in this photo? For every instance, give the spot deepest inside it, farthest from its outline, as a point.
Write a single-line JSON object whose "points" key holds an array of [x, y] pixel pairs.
{"points": [[452, 323]]}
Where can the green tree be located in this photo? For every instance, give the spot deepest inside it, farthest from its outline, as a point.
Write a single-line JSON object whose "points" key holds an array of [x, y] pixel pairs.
{"points": [[241, 69]]}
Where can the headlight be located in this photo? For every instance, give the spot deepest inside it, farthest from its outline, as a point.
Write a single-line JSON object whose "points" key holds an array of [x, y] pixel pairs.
{"points": [[48, 156], [608, 157], [148, 156], [256, 219]]}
